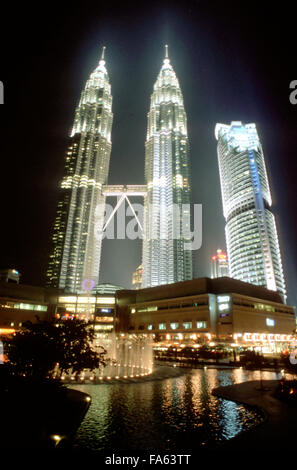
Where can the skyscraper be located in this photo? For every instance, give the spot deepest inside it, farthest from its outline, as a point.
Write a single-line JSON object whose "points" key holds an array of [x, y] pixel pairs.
{"points": [[219, 265], [251, 235], [76, 240], [165, 256], [137, 278]]}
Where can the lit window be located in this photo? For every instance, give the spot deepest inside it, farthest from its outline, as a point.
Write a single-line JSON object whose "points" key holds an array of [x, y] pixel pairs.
{"points": [[105, 300], [104, 319], [223, 307], [103, 327], [270, 322], [223, 298], [152, 308], [174, 326], [162, 326], [187, 325], [201, 325]]}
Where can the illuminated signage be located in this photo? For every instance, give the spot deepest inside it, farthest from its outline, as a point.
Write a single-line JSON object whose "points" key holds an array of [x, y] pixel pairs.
{"points": [[88, 285], [261, 337], [104, 310]]}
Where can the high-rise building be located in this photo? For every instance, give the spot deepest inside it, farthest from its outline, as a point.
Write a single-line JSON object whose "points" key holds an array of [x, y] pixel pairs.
{"points": [[165, 256], [137, 278], [251, 235], [219, 264], [76, 239], [10, 275]]}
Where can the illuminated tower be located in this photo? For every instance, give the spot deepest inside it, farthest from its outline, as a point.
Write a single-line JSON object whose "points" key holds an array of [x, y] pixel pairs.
{"points": [[165, 256], [219, 265], [251, 235], [76, 240], [137, 278]]}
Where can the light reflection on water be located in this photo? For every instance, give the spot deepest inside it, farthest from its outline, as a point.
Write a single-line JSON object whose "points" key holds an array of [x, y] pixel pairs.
{"points": [[166, 415]]}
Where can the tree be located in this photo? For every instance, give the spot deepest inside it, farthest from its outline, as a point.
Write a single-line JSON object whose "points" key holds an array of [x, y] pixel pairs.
{"points": [[38, 348]]}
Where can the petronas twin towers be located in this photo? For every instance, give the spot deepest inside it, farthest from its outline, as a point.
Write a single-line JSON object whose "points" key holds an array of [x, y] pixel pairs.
{"points": [[165, 259], [80, 218]]}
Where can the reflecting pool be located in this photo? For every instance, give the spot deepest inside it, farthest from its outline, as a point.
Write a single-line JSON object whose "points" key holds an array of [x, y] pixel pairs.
{"points": [[166, 415]]}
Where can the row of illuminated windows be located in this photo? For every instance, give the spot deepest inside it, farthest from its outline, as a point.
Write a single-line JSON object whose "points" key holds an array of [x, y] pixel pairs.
{"points": [[175, 325], [86, 300], [23, 306], [268, 308], [153, 308], [103, 327], [258, 306]]}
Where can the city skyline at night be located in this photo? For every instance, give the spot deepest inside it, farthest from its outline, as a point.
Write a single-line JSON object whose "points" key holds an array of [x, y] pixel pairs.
{"points": [[221, 79], [148, 231]]}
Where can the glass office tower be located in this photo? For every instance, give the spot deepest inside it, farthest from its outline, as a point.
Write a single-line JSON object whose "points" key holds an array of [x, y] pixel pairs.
{"points": [[251, 235], [165, 257], [219, 264], [76, 240]]}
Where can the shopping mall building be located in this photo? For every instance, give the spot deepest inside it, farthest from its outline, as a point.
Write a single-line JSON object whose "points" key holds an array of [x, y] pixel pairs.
{"points": [[198, 311], [206, 310]]}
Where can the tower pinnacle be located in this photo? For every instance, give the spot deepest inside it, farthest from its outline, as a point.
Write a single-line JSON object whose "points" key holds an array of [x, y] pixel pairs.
{"points": [[102, 61], [166, 51], [103, 51]]}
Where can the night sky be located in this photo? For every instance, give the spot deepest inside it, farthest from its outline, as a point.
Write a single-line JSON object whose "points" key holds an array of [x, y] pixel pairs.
{"points": [[234, 61]]}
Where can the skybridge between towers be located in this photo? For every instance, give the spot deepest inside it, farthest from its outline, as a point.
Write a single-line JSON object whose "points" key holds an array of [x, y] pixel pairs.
{"points": [[122, 191]]}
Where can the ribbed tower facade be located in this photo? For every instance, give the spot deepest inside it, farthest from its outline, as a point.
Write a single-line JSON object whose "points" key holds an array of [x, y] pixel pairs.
{"points": [[251, 234], [166, 257], [76, 240]]}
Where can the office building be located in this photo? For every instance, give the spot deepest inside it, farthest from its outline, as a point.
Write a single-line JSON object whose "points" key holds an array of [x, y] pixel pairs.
{"points": [[166, 255], [251, 234], [10, 275], [219, 264], [137, 278], [77, 235]]}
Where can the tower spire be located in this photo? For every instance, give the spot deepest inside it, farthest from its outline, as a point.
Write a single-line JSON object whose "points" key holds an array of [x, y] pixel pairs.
{"points": [[166, 51], [103, 51]]}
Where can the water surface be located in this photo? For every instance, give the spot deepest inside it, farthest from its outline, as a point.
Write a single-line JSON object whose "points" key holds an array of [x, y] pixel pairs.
{"points": [[167, 415]]}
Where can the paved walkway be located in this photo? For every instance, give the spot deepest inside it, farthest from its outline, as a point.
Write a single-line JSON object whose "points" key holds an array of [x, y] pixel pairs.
{"points": [[279, 429]]}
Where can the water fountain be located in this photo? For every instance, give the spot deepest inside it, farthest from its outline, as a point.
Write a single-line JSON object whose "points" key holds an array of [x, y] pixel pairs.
{"points": [[128, 357]]}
